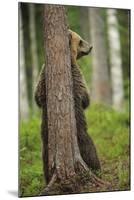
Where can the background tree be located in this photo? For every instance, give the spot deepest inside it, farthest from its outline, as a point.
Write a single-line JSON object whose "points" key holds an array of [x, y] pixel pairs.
{"points": [[27, 55], [24, 112], [100, 76], [84, 23], [33, 45], [115, 60]]}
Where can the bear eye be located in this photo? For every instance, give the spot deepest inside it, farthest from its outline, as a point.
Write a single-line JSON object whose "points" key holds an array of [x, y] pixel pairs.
{"points": [[80, 43]]}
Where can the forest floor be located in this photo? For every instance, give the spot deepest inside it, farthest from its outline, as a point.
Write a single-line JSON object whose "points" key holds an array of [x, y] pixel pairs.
{"points": [[110, 132]]}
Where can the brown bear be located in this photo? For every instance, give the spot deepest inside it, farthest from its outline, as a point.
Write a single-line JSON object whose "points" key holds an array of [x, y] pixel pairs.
{"points": [[78, 48]]}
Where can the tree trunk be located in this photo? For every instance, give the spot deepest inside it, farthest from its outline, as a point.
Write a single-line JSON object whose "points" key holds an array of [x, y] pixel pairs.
{"points": [[63, 151], [24, 108], [33, 46], [84, 23], [101, 82], [115, 60]]}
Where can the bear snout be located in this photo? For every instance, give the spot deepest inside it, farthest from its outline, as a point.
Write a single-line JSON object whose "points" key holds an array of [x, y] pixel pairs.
{"points": [[88, 51]]}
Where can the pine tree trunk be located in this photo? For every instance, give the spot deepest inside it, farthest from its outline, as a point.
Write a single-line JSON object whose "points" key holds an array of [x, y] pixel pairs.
{"points": [[115, 60], [101, 82], [24, 108], [63, 151], [33, 46]]}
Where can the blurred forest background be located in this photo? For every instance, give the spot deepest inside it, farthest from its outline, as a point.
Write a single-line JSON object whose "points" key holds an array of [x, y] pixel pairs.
{"points": [[107, 74]]}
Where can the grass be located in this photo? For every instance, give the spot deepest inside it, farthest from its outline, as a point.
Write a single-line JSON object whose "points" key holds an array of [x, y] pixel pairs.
{"points": [[31, 176], [110, 132]]}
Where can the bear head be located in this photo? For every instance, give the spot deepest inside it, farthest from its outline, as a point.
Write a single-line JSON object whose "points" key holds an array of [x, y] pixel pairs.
{"points": [[79, 47]]}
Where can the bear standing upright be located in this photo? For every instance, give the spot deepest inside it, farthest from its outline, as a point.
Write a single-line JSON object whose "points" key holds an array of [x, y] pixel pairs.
{"points": [[78, 48]]}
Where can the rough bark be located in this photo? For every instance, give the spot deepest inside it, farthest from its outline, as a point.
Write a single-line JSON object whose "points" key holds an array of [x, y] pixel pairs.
{"points": [[115, 60], [100, 82], [24, 108]]}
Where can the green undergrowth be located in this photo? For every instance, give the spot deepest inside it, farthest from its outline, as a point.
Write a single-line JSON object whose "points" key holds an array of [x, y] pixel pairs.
{"points": [[31, 176], [110, 132]]}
